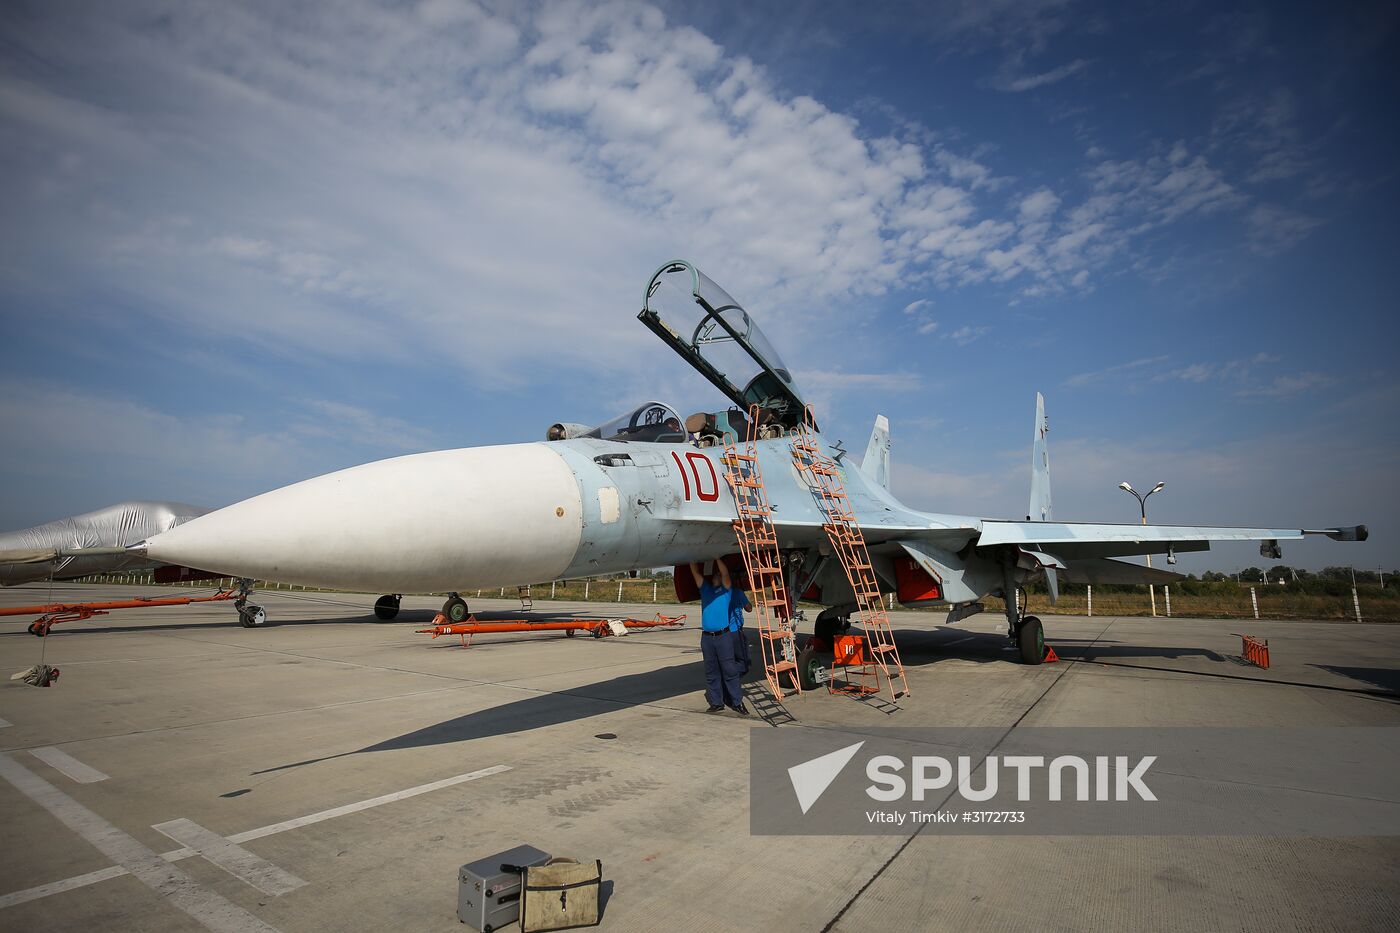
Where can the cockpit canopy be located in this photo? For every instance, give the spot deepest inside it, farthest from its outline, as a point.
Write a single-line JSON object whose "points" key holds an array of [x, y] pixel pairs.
{"points": [[708, 328], [651, 423]]}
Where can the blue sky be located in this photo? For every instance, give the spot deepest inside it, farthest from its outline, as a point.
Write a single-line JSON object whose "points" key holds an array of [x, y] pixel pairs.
{"points": [[244, 244]]}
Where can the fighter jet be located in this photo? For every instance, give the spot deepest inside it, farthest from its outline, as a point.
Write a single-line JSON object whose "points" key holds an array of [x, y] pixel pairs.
{"points": [[648, 489]]}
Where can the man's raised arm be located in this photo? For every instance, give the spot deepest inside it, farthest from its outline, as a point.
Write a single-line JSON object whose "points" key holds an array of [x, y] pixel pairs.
{"points": [[696, 572]]}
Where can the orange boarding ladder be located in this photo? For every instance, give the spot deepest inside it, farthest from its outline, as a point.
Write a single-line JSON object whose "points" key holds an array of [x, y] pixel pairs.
{"points": [[848, 543], [758, 544]]}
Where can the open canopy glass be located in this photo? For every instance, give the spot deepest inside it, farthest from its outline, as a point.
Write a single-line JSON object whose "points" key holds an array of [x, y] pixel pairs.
{"points": [[708, 328]]}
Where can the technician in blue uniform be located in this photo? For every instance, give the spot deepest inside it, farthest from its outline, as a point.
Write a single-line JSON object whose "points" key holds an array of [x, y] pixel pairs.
{"points": [[717, 641], [738, 604]]}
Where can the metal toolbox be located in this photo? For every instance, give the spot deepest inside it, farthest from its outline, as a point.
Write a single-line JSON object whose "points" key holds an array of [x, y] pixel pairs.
{"points": [[488, 898]]}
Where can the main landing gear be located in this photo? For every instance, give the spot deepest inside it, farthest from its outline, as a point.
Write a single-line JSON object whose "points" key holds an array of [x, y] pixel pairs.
{"points": [[455, 609], [387, 607], [1025, 632]]}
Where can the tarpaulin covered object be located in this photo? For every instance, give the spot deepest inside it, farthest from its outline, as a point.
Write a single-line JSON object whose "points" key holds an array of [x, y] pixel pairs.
{"points": [[38, 553]]}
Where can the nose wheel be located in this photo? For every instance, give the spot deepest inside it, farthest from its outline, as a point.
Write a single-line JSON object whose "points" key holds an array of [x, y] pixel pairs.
{"points": [[387, 607], [251, 616], [455, 609]]}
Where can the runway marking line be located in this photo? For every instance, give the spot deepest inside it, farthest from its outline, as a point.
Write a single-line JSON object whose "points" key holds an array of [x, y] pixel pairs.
{"points": [[5, 724], [211, 910], [232, 858], [106, 874], [60, 760], [958, 641]]}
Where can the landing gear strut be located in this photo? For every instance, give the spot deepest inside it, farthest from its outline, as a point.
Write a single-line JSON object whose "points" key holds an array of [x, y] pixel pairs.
{"points": [[387, 607], [455, 609]]}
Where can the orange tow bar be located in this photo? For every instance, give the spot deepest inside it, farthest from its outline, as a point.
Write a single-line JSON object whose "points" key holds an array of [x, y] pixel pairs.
{"points": [[54, 613], [599, 628]]}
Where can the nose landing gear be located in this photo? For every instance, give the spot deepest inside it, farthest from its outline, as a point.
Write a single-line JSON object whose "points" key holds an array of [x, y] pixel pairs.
{"points": [[249, 615]]}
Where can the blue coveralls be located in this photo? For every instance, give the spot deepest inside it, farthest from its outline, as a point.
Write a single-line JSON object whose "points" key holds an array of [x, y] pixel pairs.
{"points": [[738, 602], [722, 667]]}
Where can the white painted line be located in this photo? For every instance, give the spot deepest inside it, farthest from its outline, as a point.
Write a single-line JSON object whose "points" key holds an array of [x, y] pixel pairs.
{"points": [[95, 877], [62, 761], [211, 910], [58, 887], [300, 821], [5, 724], [234, 859], [958, 641]]}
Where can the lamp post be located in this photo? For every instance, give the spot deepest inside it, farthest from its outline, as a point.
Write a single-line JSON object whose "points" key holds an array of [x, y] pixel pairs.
{"points": [[1142, 506]]}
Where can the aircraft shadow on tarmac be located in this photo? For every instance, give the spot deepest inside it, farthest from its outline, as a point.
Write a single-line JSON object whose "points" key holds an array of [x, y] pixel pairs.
{"points": [[582, 702], [538, 711], [1387, 678]]}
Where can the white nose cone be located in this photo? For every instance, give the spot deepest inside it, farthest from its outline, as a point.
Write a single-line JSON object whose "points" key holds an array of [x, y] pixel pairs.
{"points": [[446, 520]]}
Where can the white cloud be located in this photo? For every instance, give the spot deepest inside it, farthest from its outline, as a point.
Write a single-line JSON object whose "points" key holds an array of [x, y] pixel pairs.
{"points": [[1286, 386], [379, 181], [1274, 229], [966, 334], [1008, 81], [824, 380], [1098, 375]]}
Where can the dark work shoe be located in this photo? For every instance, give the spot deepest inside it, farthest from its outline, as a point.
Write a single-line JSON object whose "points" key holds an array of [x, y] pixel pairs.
{"points": [[740, 708], [714, 708]]}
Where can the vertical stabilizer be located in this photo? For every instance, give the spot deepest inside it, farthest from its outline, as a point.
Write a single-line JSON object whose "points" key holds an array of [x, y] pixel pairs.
{"points": [[876, 464], [1040, 508]]}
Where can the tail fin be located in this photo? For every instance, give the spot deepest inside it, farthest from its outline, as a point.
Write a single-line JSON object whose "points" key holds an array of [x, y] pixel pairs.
{"points": [[1040, 508], [876, 464]]}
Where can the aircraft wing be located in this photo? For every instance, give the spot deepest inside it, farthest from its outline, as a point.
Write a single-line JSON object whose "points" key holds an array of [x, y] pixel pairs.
{"points": [[1071, 540]]}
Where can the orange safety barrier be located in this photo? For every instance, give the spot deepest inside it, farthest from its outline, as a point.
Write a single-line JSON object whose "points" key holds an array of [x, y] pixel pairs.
{"points": [[598, 628], [1256, 652], [54, 613]]}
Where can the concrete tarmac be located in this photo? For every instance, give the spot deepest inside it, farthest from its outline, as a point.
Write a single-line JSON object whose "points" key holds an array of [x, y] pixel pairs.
{"points": [[330, 772]]}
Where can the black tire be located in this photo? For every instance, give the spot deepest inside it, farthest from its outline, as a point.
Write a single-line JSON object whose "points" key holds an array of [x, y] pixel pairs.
{"points": [[1030, 640], [569, 633], [807, 664], [455, 609], [830, 627], [251, 616], [386, 607]]}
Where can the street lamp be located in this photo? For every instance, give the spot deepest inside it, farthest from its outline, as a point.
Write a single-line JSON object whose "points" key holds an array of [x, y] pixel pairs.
{"points": [[1142, 507]]}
